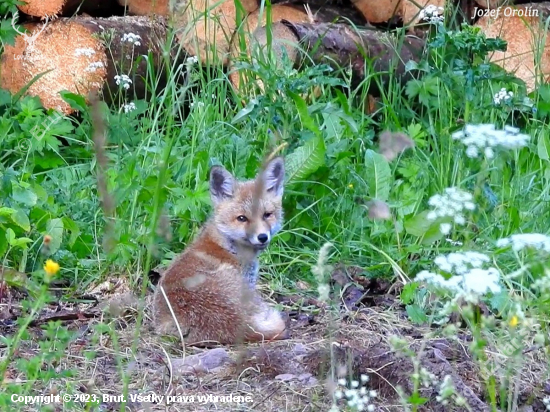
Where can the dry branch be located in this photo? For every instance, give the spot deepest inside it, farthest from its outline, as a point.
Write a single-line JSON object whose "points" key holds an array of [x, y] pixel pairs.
{"points": [[146, 7], [84, 55], [43, 8], [528, 51], [341, 46], [204, 27]]}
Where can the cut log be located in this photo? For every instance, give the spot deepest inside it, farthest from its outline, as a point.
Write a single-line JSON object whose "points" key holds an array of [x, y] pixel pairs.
{"points": [[528, 51], [341, 46], [50, 8], [249, 32], [249, 26], [146, 7], [74, 50], [407, 11], [204, 28]]}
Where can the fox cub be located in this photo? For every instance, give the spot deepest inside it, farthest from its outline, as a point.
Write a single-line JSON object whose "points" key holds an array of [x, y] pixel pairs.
{"points": [[211, 285]]}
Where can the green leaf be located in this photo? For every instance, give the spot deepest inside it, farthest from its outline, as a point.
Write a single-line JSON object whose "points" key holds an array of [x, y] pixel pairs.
{"points": [[54, 228], [408, 292], [6, 211], [10, 235], [419, 224], [76, 101], [416, 399], [543, 147], [378, 175], [72, 227], [305, 160], [21, 242], [307, 120], [21, 219], [244, 112], [416, 314], [24, 196]]}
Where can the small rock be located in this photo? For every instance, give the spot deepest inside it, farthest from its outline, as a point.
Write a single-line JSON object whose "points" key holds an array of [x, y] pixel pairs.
{"points": [[285, 377], [299, 349]]}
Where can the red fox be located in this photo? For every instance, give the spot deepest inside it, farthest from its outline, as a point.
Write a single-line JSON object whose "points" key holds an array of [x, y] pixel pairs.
{"points": [[211, 285]]}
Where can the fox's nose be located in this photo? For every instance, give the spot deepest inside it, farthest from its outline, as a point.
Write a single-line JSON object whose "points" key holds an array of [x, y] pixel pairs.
{"points": [[262, 238]]}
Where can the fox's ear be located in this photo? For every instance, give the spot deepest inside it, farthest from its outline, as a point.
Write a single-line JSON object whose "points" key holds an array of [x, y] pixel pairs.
{"points": [[221, 184], [274, 176]]}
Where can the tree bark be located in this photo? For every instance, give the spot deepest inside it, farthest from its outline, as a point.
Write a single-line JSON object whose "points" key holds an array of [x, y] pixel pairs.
{"points": [[85, 55], [50, 8], [146, 7], [341, 46], [528, 51], [204, 27]]}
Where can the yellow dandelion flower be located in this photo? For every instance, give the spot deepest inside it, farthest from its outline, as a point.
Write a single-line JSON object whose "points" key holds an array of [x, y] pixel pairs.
{"points": [[350, 185], [514, 321], [51, 267]]}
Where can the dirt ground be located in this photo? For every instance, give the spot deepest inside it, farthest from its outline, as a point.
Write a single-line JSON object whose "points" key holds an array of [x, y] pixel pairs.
{"points": [[298, 374]]}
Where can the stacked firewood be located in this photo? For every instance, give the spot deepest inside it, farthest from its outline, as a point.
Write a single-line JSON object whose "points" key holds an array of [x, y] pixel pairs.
{"points": [[84, 46]]}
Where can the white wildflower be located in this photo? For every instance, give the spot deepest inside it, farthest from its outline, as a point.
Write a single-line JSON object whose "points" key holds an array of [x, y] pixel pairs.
{"points": [[130, 107], [92, 67], [445, 228], [502, 96], [454, 242], [198, 104], [469, 276], [123, 80], [192, 60], [451, 204], [132, 38], [432, 14], [479, 138], [334, 408], [526, 240], [86, 51], [356, 395]]}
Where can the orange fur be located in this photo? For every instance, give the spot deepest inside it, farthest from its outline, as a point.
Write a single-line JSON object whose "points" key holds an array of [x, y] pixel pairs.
{"points": [[211, 285]]}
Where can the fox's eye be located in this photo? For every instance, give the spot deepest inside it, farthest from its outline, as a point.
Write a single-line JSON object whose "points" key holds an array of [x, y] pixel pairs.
{"points": [[267, 215], [242, 218]]}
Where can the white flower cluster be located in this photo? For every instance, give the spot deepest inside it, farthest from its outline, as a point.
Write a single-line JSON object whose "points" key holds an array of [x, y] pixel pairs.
{"points": [[451, 204], [132, 38], [357, 397], [502, 96], [484, 137], [192, 60], [546, 401], [526, 240], [130, 107], [432, 14], [92, 67], [469, 277], [87, 51], [123, 80]]}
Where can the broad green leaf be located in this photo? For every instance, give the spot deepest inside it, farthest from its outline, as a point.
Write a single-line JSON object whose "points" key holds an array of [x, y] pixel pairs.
{"points": [[418, 225], [378, 175], [21, 242], [416, 314], [24, 196], [305, 160], [76, 101], [72, 227], [408, 292], [543, 147], [307, 120], [10, 235], [54, 228], [21, 219], [6, 211]]}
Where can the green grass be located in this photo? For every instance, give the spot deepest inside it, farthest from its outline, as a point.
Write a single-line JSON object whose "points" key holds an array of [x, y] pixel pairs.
{"points": [[159, 156]]}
